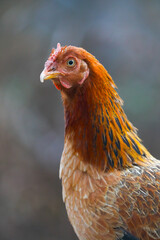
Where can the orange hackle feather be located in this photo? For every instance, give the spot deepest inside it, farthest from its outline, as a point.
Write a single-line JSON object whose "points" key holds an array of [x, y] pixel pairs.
{"points": [[103, 134], [111, 183]]}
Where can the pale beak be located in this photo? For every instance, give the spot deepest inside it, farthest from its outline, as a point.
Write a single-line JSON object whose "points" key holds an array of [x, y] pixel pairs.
{"points": [[45, 75]]}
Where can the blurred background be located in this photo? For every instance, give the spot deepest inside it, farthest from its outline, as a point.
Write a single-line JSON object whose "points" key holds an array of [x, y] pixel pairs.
{"points": [[125, 36]]}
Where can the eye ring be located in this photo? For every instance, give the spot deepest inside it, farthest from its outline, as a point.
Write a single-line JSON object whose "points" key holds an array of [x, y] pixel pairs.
{"points": [[71, 62]]}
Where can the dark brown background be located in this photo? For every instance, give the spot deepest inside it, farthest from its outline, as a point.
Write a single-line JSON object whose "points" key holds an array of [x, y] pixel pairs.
{"points": [[125, 36]]}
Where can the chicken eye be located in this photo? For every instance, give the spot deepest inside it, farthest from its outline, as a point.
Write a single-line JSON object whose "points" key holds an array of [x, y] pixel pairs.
{"points": [[71, 62]]}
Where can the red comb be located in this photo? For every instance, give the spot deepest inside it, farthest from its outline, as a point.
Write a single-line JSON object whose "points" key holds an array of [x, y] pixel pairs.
{"points": [[53, 56]]}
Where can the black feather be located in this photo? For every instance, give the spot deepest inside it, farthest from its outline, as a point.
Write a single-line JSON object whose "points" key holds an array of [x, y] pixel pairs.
{"points": [[116, 152], [120, 162], [125, 141], [118, 123], [111, 134], [128, 236], [110, 160], [118, 144], [128, 126], [135, 147], [107, 120]]}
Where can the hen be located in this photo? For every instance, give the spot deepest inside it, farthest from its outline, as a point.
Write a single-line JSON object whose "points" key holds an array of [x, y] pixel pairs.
{"points": [[111, 183]]}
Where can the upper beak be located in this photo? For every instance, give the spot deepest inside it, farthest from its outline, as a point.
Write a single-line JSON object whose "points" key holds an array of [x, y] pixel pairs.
{"points": [[45, 75]]}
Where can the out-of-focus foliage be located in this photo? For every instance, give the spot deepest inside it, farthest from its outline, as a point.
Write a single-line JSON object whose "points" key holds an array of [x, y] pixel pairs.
{"points": [[125, 37]]}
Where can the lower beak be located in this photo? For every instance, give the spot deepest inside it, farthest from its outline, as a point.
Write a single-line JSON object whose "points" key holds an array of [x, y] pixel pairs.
{"points": [[48, 75]]}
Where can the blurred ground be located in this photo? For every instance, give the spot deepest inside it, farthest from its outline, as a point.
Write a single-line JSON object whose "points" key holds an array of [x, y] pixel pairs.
{"points": [[125, 37]]}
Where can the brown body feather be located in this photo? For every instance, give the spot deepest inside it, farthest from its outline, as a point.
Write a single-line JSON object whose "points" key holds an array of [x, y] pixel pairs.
{"points": [[101, 205], [111, 183]]}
